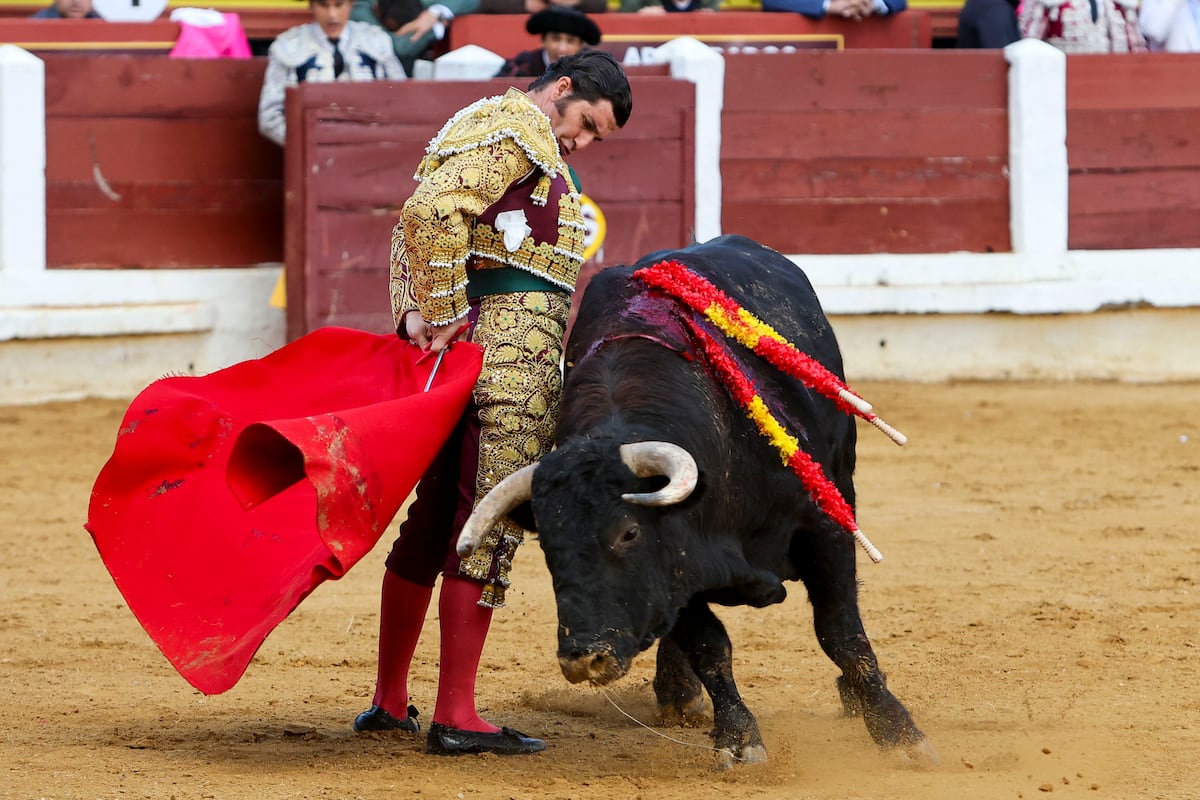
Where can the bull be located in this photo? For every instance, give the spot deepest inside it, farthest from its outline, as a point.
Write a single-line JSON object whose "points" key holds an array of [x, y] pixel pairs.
{"points": [[662, 498]]}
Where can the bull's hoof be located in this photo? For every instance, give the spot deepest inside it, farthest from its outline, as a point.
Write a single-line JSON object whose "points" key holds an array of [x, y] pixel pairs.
{"points": [[689, 714], [920, 753], [752, 754], [851, 703]]}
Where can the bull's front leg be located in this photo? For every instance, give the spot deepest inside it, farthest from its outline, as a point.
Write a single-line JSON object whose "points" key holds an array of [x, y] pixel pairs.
{"points": [[679, 693], [833, 592], [701, 637]]}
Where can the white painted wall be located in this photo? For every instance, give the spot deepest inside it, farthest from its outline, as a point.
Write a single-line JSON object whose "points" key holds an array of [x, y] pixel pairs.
{"points": [[67, 334], [1132, 345], [1070, 282]]}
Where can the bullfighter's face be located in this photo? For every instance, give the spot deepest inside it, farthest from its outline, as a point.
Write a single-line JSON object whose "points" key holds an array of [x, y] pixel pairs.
{"points": [[579, 123], [576, 123]]}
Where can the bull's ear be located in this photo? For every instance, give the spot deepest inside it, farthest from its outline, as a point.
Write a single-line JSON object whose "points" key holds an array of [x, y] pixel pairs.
{"points": [[523, 516]]}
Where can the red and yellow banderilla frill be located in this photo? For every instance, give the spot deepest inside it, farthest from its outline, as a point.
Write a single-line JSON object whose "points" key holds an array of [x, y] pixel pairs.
{"points": [[694, 291]]}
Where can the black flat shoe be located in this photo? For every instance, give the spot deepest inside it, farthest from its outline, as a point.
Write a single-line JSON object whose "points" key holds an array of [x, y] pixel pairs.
{"points": [[445, 741], [376, 719]]}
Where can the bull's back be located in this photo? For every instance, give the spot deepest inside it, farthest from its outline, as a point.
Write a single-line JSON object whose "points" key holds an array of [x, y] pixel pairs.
{"points": [[761, 280]]}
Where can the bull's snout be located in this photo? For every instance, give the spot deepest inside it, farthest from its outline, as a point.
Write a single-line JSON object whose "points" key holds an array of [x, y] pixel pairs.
{"points": [[598, 667]]}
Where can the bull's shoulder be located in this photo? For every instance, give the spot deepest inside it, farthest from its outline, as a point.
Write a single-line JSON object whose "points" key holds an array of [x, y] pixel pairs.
{"points": [[765, 283], [761, 280]]}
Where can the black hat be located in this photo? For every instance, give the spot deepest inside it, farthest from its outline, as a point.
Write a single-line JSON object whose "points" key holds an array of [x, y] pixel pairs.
{"points": [[559, 19]]}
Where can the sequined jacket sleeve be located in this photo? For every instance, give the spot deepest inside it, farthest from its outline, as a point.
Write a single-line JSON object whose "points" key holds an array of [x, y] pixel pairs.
{"points": [[432, 241]]}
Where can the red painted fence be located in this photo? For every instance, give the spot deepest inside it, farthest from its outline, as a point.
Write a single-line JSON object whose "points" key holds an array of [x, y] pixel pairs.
{"points": [[867, 151], [1133, 143], [352, 150], [157, 162]]}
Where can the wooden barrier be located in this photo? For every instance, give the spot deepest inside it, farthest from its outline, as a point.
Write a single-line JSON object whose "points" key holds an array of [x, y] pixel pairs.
{"points": [[157, 162], [867, 152], [351, 152], [1133, 139], [505, 34], [89, 35], [261, 19], [943, 18]]}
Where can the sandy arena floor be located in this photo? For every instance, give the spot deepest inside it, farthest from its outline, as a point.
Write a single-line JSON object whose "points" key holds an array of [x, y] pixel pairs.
{"points": [[1038, 611]]}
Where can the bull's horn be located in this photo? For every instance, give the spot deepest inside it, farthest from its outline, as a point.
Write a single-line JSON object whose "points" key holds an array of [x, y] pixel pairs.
{"points": [[503, 498], [660, 458]]}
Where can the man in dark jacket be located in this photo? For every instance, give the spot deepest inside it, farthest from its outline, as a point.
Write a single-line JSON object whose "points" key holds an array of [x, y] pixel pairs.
{"points": [[990, 24]]}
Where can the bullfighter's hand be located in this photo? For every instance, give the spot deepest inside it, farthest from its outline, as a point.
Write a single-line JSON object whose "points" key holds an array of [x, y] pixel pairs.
{"points": [[445, 335], [419, 332]]}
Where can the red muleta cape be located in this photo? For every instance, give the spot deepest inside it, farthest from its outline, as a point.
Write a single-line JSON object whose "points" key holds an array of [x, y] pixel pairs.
{"points": [[230, 497]]}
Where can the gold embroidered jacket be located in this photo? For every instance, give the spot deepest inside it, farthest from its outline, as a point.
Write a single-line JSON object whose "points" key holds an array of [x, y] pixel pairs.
{"points": [[498, 153]]}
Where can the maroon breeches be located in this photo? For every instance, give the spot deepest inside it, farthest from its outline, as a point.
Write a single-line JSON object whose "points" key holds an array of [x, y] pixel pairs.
{"points": [[445, 497]]}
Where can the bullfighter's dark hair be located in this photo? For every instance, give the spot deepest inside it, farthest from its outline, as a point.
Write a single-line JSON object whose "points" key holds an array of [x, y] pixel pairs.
{"points": [[595, 75]]}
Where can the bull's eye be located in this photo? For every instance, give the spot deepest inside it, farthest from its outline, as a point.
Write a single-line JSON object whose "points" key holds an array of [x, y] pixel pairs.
{"points": [[626, 539]]}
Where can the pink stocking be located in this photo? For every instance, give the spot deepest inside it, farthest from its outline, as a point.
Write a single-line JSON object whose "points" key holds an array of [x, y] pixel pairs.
{"points": [[464, 627], [402, 613]]}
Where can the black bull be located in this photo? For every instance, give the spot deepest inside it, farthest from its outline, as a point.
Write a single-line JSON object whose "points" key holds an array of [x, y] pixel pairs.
{"points": [[662, 498]]}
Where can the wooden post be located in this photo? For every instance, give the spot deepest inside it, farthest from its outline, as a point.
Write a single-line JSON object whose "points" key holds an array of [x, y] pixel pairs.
{"points": [[1037, 142], [692, 60], [22, 161], [467, 63]]}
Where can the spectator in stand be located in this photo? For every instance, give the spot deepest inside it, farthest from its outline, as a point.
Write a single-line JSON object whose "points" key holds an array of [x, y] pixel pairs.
{"points": [[668, 6], [68, 9], [847, 9], [564, 32], [330, 48], [534, 6], [414, 25], [1084, 26], [987, 24], [1171, 25]]}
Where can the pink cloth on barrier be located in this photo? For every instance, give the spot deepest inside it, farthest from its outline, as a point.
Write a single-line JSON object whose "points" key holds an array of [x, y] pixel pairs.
{"points": [[212, 41]]}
